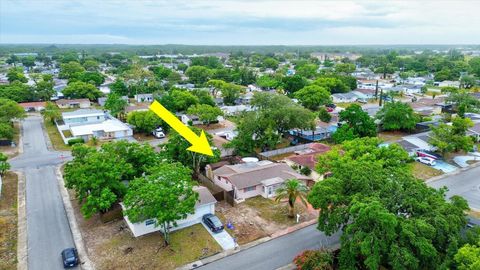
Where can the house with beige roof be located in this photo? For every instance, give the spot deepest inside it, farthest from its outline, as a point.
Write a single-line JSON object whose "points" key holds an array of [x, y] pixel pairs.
{"points": [[254, 178]]}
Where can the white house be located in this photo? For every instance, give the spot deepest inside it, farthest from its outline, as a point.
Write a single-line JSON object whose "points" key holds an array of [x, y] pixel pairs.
{"points": [[236, 109], [205, 205], [344, 97], [73, 103], [144, 97], [85, 123]]}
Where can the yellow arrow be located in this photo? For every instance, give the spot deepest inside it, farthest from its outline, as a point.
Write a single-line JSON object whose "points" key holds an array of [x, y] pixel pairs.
{"points": [[199, 143]]}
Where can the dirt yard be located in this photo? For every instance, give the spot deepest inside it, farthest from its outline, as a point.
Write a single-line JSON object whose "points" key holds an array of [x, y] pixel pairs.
{"points": [[8, 222], [112, 246], [259, 217]]}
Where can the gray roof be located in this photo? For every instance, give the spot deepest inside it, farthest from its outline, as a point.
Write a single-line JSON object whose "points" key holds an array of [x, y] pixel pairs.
{"points": [[249, 175], [407, 146], [204, 196]]}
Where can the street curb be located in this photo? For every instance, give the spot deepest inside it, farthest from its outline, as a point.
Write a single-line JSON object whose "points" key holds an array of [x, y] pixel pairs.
{"points": [[45, 134], [440, 177], [238, 249], [22, 244], [86, 264]]}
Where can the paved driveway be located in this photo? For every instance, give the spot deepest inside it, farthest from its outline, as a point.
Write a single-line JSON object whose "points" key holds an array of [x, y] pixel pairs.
{"points": [[223, 238], [48, 230]]}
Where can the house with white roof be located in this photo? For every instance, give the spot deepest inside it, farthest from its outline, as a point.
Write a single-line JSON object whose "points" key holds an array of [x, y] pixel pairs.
{"points": [[86, 124], [205, 205]]}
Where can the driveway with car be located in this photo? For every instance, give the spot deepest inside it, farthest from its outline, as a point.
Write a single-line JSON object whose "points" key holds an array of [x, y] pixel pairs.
{"points": [[223, 238]]}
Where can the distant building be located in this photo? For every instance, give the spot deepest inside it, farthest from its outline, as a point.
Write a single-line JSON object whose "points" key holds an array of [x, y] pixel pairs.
{"points": [[73, 103], [144, 97], [33, 106]]}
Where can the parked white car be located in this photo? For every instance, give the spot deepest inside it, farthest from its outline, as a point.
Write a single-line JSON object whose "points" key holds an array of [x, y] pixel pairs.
{"points": [[158, 133], [427, 161]]}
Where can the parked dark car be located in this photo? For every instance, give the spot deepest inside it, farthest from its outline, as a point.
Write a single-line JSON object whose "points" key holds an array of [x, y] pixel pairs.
{"points": [[70, 257], [213, 223], [333, 106]]}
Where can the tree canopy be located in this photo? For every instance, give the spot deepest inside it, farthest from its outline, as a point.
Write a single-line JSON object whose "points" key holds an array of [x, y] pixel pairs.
{"points": [[166, 196], [397, 116], [82, 90], [388, 218], [313, 96]]}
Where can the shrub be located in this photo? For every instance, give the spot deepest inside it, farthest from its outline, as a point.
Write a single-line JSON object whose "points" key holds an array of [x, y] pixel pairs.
{"points": [[75, 141], [305, 171], [324, 115], [314, 260]]}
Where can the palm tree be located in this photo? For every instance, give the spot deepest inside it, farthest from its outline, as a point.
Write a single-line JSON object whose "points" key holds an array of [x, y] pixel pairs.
{"points": [[292, 189]]}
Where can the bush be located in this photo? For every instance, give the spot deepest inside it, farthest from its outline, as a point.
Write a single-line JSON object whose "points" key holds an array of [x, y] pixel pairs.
{"points": [[305, 171], [75, 141], [314, 260], [324, 115]]}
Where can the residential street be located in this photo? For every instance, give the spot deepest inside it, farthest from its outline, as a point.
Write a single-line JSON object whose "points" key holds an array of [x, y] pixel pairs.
{"points": [[465, 184], [48, 230], [275, 253]]}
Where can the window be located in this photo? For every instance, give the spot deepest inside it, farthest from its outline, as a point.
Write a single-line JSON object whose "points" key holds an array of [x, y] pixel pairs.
{"points": [[249, 189], [149, 222]]}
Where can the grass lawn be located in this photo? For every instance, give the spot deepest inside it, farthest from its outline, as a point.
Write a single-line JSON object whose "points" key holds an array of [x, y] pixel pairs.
{"points": [[346, 104], [272, 211], [55, 138], [424, 172], [391, 136], [8, 222], [122, 251]]}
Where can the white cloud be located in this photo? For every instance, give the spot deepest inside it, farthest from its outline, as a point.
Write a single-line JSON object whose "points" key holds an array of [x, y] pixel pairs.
{"points": [[240, 21]]}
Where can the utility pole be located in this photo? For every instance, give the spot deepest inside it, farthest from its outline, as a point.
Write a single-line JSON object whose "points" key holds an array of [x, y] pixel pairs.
{"points": [[381, 98], [376, 91]]}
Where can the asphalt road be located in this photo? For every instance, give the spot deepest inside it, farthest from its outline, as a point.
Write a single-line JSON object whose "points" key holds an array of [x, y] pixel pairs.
{"points": [[275, 253], [48, 230], [465, 184]]}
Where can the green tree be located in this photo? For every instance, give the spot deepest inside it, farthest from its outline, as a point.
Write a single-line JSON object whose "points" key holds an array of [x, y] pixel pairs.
{"points": [[292, 84], [450, 138], [119, 87], [397, 116], [475, 65], [161, 72], [166, 196], [307, 70], [176, 150], [292, 189], [267, 82], [51, 112], [115, 104], [333, 85], [10, 110], [16, 74], [144, 121], [324, 115], [71, 70], [468, 257], [360, 122], [198, 74], [204, 97], [91, 65], [81, 90], [6, 131], [346, 68], [388, 218], [44, 86], [96, 178], [178, 100], [230, 93], [92, 77], [16, 91], [4, 165], [270, 62], [313, 96], [205, 113]]}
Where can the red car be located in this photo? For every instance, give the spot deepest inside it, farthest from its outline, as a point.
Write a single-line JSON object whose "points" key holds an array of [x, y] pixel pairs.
{"points": [[329, 109]]}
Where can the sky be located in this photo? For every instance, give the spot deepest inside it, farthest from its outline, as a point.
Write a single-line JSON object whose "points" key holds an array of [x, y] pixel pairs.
{"points": [[236, 22]]}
